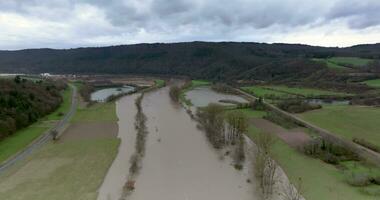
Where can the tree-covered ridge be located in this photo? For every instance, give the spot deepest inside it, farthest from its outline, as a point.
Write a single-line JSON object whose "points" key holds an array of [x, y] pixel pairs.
{"points": [[199, 60], [23, 102]]}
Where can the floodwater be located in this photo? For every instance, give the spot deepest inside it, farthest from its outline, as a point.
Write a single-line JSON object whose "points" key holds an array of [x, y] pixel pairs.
{"points": [[179, 162], [328, 102], [116, 177], [103, 94], [202, 96]]}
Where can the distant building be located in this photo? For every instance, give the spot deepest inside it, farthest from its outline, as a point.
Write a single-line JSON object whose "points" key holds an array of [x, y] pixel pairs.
{"points": [[45, 74]]}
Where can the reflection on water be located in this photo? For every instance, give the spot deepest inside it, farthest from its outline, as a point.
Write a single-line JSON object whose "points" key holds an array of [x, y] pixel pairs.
{"points": [[103, 94], [202, 96]]}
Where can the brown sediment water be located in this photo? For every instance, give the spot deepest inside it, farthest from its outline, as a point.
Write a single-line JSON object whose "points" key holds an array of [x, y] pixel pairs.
{"points": [[112, 186], [179, 162]]}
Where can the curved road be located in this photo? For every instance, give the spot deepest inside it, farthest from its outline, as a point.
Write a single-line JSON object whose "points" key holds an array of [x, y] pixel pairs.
{"points": [[45, 137]]}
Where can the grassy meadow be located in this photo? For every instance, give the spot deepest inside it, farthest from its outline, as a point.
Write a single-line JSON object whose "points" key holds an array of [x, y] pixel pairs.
{"points": [[284, 92], [348, 121], [373, 83], [96, 112], [353, 61]]}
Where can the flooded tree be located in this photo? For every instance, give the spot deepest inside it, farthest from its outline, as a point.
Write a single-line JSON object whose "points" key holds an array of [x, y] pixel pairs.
{"points": [[264, 166], [175, 93], [212, 119], [237, 126]]}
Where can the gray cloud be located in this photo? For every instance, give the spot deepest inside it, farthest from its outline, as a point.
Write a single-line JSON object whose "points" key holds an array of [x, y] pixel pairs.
{"points": [[359, 14], [89, 22]]}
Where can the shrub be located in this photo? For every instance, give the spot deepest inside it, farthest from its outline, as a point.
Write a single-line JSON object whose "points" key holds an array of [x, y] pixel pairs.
{"points": [[297, 106], [358, 179]]}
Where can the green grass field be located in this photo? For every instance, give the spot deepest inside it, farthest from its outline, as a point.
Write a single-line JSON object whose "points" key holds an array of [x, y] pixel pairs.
{"points": [[96, 112], [159, 83], [331, 65], [15, 143], [354, 61], [64, 107], [60, 171], [348, 121], [198, 83], [319, 180], [281, 92], [373, 83]]}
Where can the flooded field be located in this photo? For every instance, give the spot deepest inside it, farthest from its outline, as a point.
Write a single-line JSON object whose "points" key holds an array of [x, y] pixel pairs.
{"points": [[202, 96], [103, 94], [179, 162]]}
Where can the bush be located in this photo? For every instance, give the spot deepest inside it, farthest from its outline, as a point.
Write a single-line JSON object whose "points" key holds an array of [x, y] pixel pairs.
{"points": [[358, 179], [297, 106], [278, 119], [174, 93], [328, 152]]}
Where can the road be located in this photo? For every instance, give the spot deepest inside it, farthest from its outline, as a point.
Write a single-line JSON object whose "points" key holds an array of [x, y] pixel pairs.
{"points": [[45, 137]]}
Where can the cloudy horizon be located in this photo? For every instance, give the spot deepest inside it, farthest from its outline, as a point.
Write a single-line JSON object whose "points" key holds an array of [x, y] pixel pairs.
{"points": [[70, 24]]}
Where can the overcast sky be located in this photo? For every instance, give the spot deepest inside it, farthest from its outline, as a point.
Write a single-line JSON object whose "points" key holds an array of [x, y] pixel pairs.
{"points": [[75, 23]]}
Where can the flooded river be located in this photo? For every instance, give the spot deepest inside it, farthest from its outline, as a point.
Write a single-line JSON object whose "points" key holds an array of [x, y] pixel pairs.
{"points": [[179, 162], [116, 177]]}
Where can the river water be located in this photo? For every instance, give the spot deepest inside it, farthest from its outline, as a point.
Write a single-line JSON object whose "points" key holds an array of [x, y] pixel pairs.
{"points": [[116, 177], [179, 163]]}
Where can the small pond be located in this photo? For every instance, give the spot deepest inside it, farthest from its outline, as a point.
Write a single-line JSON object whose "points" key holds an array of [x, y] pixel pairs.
{"points": [[202, 96], [102, 94]]}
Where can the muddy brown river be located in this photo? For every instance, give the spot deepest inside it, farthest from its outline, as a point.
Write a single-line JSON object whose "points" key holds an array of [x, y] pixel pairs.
{"points": [[179, 163]]}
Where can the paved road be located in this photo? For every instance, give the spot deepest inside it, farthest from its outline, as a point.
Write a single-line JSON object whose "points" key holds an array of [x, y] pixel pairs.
{"points": [[45, 137]]}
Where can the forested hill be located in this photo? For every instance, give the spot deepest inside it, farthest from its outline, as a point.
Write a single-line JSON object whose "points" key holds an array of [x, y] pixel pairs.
{"points": [[222, 60]]}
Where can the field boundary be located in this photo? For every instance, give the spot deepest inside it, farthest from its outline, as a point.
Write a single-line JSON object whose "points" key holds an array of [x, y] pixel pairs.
{"points": [[364, 153]]}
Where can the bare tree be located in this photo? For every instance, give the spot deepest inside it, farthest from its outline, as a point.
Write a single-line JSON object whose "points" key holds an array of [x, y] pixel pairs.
{"points": [[54, 134], [291, 192]]}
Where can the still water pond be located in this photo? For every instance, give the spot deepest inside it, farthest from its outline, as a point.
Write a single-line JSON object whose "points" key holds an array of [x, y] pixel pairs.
{"points": [[202, 96], [103, 94]]}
